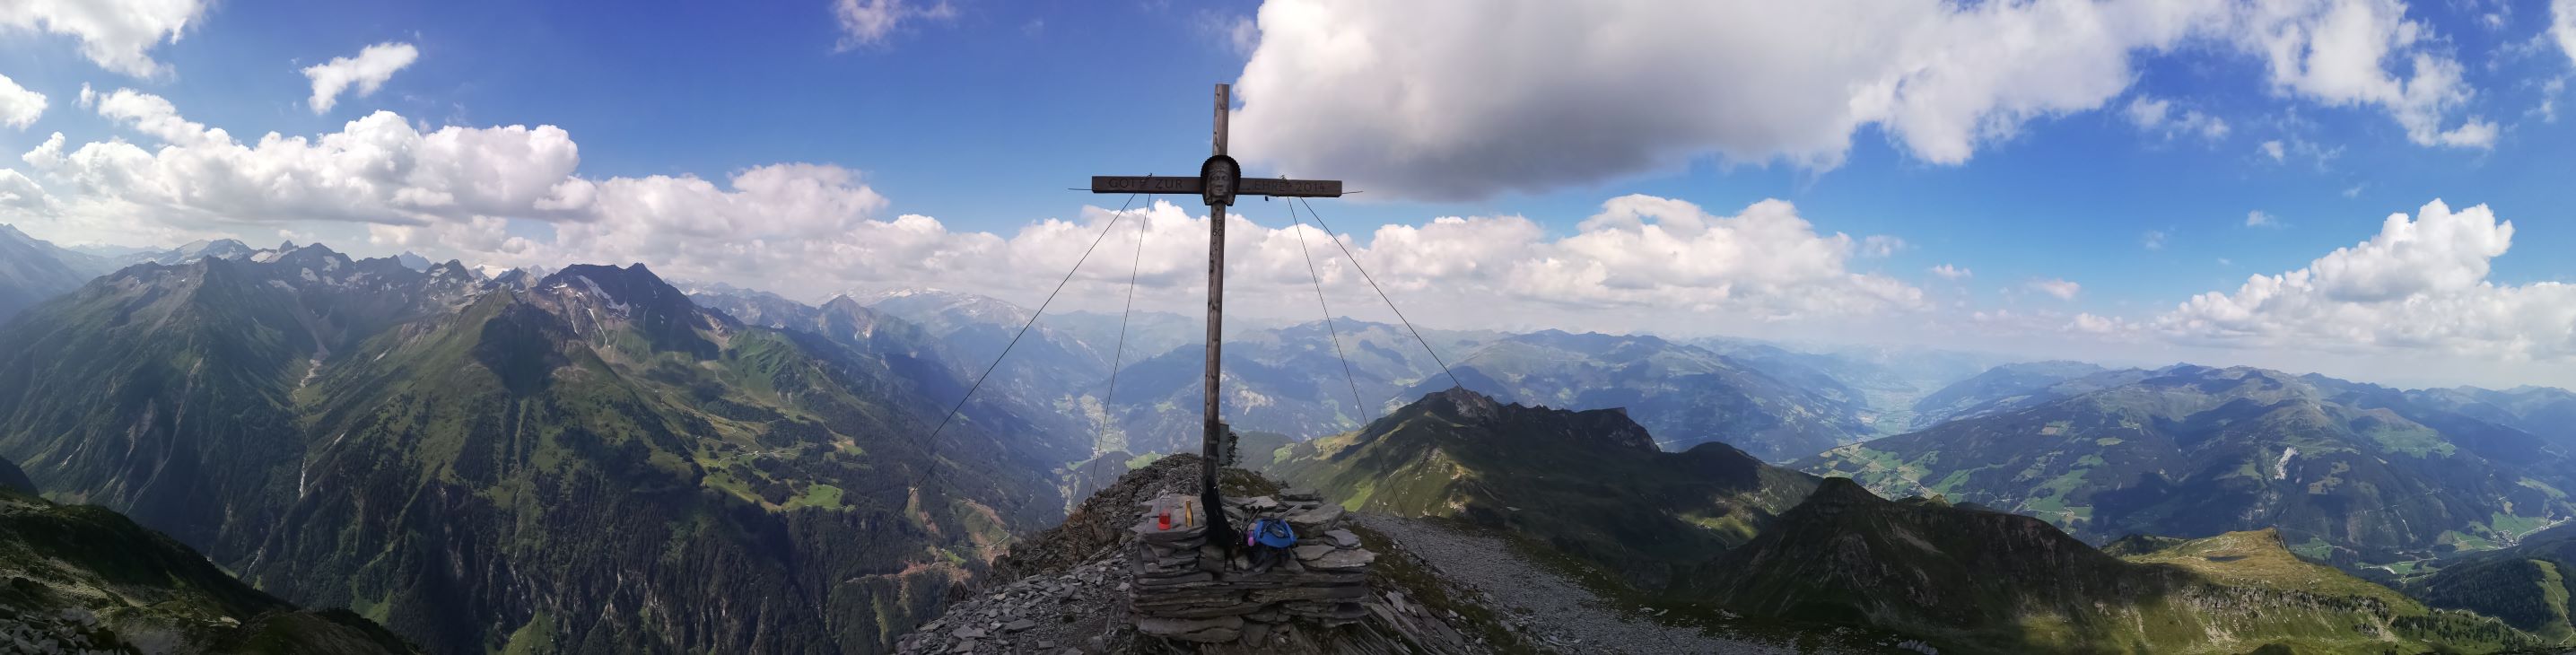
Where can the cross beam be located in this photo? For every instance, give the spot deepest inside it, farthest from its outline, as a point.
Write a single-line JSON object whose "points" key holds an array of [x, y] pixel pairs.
{"points": [[1219, 181], [1250, 186]]}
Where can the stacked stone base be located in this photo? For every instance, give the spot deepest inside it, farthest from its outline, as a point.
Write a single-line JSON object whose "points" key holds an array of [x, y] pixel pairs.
{"points": [[1183, 588]]}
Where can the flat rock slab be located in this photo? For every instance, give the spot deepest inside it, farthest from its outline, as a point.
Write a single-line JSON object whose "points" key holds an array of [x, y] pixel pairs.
{"points": [[1343, 538], [1343, 559], [1208, 630], [1197, 578], [1317, 518], [1350, 593]]}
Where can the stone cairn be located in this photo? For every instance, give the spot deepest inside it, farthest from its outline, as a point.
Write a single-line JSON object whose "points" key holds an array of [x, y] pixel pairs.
{"points": [[1183, 588]]}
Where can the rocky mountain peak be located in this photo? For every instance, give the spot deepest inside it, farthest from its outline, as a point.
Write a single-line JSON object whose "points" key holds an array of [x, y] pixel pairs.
{"points": [[634, 285], [595, 296], [1606, 425], [1461, 402], [1838, 493]]}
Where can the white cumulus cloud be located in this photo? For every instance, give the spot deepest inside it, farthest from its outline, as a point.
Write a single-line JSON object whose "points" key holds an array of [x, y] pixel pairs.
{"points": [[1949, 272], [1460, 99], [512, 195], [2562, 26], [2260, 218], [2420, 284], [379, 168], [19, 107], [366, 72], [870, 22], [117, 35], [2062, 289]]}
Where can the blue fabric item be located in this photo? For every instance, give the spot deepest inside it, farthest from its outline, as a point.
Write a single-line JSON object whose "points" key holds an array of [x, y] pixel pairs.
{"points": [[1274, 533]]}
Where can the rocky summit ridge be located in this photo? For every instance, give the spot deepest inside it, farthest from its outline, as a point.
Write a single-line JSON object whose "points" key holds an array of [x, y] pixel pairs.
{"points": [[1140, 588]]}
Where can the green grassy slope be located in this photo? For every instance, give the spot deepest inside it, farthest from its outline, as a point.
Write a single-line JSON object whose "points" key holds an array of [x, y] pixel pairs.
{"points": [[1591, 484], [2528, 585], [1980, 581], [87, 577]]}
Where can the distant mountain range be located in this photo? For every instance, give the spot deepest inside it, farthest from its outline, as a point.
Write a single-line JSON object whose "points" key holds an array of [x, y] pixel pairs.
{"points": [[1885, 385], [1685, 394], [586, 461], [591, 459], [1997, 389], [2349, 472], [195, 250], [33, 270], [1780, 405]]}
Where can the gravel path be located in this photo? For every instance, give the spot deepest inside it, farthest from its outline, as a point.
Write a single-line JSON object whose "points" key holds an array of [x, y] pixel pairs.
{"points": [[1543, 601]]}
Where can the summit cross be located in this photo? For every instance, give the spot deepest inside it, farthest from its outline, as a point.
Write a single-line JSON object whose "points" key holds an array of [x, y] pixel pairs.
{"points": [[1219, 181]]}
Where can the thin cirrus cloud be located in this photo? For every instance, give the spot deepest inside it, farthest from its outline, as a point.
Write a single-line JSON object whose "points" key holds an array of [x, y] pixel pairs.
{"points": [[1410, 97], [358, 75], [2061, 289], [2158, 116]]}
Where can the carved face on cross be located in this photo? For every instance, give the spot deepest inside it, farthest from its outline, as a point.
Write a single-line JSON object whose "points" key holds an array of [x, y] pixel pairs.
{"points": [[1218, 178]]}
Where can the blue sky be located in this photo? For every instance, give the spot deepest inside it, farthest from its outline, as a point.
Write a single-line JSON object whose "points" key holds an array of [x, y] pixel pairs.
{"points": [[977, 115]]}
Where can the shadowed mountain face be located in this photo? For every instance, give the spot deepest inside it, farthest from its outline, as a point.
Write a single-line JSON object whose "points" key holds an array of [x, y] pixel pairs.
{"points": [[1980, 581], [585, 461], [1591, 484], [2527, 585], [1686, 395], [2349, 472], [88, 580]]}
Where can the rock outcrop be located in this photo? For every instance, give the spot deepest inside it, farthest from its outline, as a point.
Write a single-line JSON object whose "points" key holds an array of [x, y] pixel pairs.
{"points": [[1083, 587], [1183, 587]]}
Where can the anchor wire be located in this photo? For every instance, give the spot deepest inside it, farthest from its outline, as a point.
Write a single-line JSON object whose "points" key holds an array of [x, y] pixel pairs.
{"points": [[1381, 294], [933, 439]]}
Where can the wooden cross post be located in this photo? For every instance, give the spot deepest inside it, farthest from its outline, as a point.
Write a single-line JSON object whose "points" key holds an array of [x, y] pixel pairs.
{"points": [[1219, 181]]}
